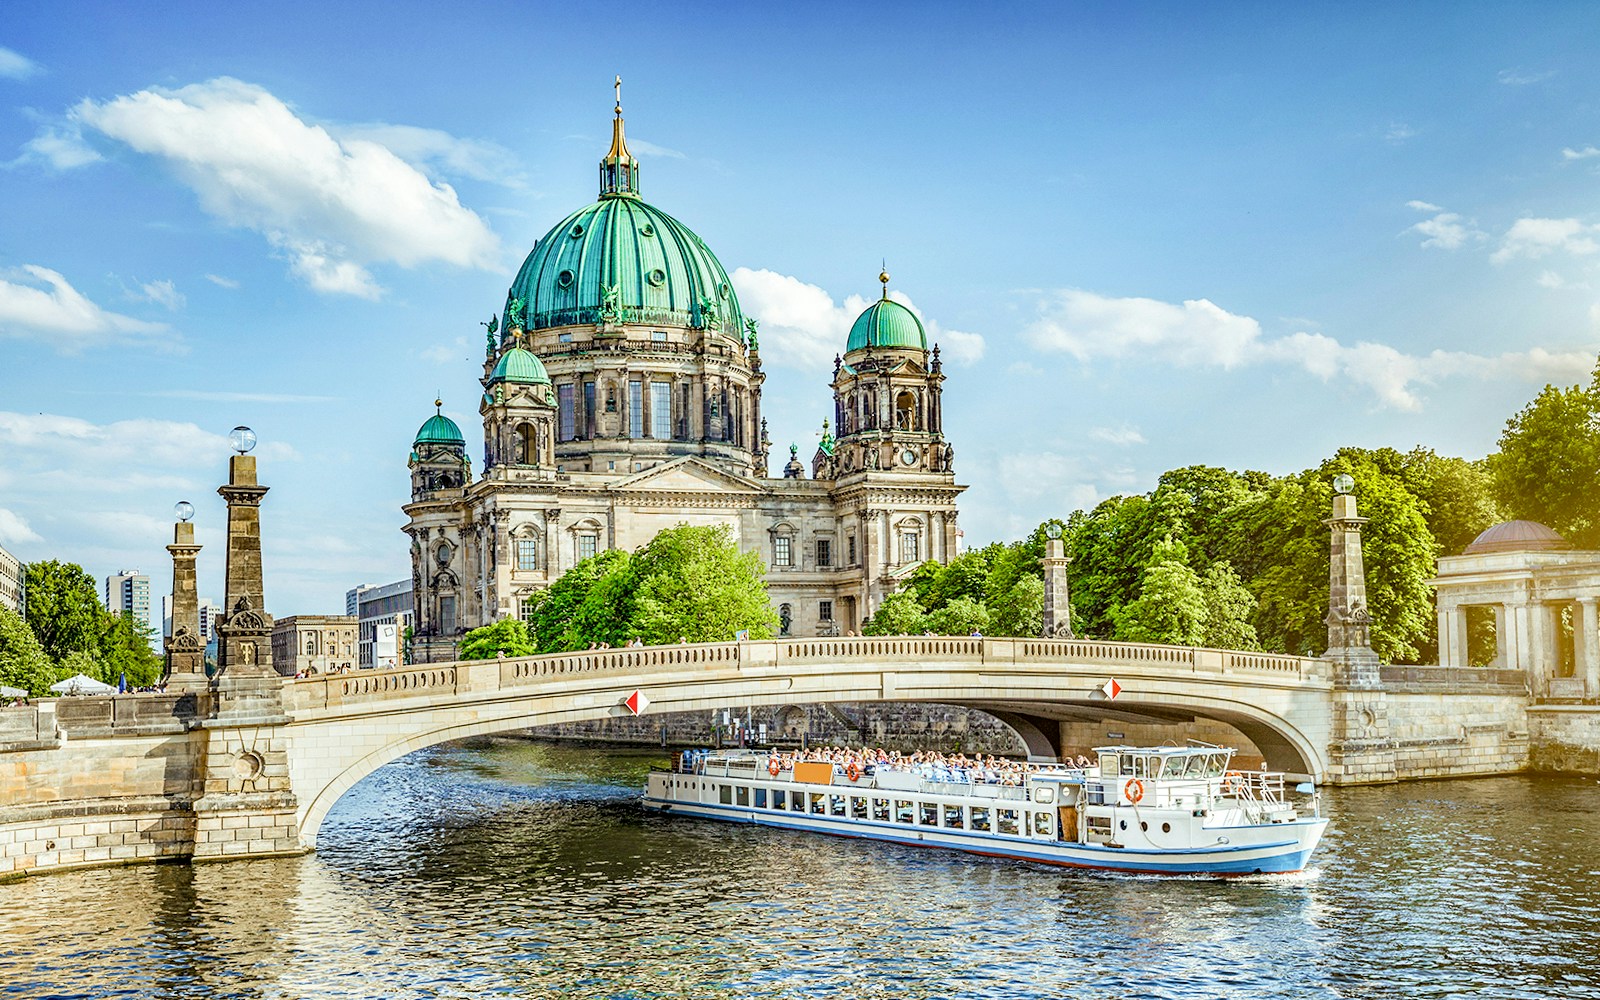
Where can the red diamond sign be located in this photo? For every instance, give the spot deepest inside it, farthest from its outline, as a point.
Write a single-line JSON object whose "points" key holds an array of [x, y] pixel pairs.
{"points": [[1111, 688], [637, 703]]}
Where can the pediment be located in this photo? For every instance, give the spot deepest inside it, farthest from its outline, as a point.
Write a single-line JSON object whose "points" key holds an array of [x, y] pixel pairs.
{"points": [[687, 475]]}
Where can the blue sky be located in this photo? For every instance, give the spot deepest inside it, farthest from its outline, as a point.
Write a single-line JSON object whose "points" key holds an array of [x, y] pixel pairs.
{"points": [[1241, 235]]}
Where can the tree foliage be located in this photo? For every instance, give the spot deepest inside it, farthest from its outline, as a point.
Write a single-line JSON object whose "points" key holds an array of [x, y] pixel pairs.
{"points": [[63, 608], [508, 636], [23, 662], [125, 651], [1549, 461], [899, 614]]}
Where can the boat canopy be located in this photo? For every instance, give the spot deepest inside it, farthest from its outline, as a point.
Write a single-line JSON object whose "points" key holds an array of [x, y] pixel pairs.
{"points": [[1163, 762]]}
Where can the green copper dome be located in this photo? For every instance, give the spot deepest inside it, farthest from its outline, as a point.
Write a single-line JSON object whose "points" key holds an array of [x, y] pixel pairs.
{"points": [[623, 260], [518, 365], [887, 324], [439, 429]]}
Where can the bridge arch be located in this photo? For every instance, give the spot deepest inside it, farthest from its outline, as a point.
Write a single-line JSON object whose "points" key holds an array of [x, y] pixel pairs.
{"points": [[344, 727]]}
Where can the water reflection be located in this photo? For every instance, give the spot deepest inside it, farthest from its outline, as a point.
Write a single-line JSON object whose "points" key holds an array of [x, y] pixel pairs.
{"points": [[504, 868]]}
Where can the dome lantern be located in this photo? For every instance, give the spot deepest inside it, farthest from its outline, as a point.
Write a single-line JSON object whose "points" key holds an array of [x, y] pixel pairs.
{"points": [[619, 171]]}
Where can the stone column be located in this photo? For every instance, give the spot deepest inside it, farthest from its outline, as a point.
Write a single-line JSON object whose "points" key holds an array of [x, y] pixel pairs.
{"points": [[186, 654], [553, 565], [1447, 652], [1349, 621], [245, 643], [1586, 646], [1057, 600], [1505, 630], [1460, 640]]}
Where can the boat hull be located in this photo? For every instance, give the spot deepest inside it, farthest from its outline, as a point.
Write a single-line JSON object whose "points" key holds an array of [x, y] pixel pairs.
{"points": [[1287, 847]]}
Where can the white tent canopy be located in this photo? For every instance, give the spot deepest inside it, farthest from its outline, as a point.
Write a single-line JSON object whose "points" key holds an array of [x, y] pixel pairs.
{"points": [[82, 684]]}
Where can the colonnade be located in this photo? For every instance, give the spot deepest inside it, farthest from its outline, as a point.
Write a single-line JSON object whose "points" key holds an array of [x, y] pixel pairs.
{"points": [[1529, 637]]}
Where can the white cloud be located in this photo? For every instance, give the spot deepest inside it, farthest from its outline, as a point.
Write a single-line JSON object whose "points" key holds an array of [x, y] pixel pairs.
{"points": [[58, 147], [643, 148], [37, 303], [1198, 334], [1122, 435], [440, 154], [206, 396], [1088, 326], [1553, 279], [802, 326], [1579, 154], [1522, 77], [14, 530], [1399, 132], [221, 282], [330, 207], [1446, 230], [162, 292], [15, 65], [1535, 238], [445, 354]]}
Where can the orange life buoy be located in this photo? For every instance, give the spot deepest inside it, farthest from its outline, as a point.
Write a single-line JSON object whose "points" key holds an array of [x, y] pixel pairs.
{"points": [[773, 766], [1232, 782], [1134, 790], [852, 771]]}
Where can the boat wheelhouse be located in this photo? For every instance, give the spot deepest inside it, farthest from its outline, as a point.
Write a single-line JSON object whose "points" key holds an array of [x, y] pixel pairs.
{"points": [[1165, 810]]}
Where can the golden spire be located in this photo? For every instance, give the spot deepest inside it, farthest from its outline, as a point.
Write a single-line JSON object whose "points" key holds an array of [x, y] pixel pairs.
{"points": [[619, 148], [883, 276]]}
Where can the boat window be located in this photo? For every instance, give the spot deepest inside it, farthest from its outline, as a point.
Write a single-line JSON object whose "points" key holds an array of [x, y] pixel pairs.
{"points": [[1108, 765], [1099, 827], [902, 811], [725, 793], [952, 817], [858, 807], [819, 803], [1219, 763], [930, 813], [797, 801], [742, 795], [880, 810], [836, 803], [1005, 821], [980, 819], [1041, 824], [780, 800]]}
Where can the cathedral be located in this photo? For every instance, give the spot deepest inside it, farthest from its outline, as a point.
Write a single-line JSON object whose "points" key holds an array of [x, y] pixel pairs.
{"points": [[622, 396]]}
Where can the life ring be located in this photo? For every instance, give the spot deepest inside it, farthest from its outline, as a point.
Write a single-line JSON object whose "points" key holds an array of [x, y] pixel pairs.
{"points": [[773, 766], [1133, 790], [852, 771], [1232, 782]]}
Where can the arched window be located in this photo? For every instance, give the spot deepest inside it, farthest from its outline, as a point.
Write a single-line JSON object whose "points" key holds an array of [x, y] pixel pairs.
{"points": [[524, 445], [905, 412]]}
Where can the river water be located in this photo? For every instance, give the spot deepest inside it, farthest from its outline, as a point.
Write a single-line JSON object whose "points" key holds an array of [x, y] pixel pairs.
{"points": [[503, 868]]}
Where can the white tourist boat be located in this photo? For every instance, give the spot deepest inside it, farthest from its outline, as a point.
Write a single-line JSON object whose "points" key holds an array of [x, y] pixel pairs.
{"points": [[1163, 810]]}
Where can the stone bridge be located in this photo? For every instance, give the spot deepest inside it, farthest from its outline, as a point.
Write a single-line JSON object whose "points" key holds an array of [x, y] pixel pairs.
{"points": [[343, 727]]}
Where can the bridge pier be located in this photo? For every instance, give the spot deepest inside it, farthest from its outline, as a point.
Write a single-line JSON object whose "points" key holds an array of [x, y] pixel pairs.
{"points": [[247, 805]]}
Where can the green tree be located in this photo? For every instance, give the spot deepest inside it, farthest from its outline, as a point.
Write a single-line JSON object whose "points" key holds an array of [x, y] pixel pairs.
{"points": [[23, 662], [1457, 495], [1171, 606], [961, 616], [1228, 608], [963, 576], [693, 582], [508, 636], [63, 609], [1020, 610], [125, 651], [558, 606], [1549, 461], [899, 614]]}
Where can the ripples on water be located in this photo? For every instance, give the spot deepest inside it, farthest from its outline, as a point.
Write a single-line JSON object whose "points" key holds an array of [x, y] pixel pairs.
{"points": [[505, 868]]}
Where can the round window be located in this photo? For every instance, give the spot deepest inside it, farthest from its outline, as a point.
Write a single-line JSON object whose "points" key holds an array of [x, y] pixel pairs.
{"points": [[723, 291], [564, 279], [1166, 827], [908, 457], [647, 230], [657, 277], [443, 555], [577, 230]]}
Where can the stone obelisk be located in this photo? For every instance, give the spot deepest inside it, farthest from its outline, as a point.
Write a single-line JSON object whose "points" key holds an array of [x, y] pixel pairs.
{"points": [[1360, 743], [1057, 599], [245, 633], [186, 653]]}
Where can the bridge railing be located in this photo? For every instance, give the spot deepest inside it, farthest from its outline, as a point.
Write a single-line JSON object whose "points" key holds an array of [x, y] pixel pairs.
{"points": [[895, 652]]}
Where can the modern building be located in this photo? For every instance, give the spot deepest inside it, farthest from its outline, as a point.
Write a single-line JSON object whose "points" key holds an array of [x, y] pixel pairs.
{"points": [[209, 612], [313, 644], [11, 582], [129, 591], [622, 396], [378, 610]]}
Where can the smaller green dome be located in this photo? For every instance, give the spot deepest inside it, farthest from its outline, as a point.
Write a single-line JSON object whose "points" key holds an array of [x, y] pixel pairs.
{"points": [[887, 323], [518, 365], [439, 429]]}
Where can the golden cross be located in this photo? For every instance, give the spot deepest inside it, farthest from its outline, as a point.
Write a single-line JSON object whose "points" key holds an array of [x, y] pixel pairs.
{"points": [[619, 95]]}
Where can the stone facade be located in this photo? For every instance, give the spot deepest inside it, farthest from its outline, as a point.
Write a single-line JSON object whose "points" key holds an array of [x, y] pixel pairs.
{"points": [[10, 581], [313, 644], [613, 410]]}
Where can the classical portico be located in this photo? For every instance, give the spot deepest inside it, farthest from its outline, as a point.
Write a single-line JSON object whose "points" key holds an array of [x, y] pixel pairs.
{"points": [[1543, 597]]}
